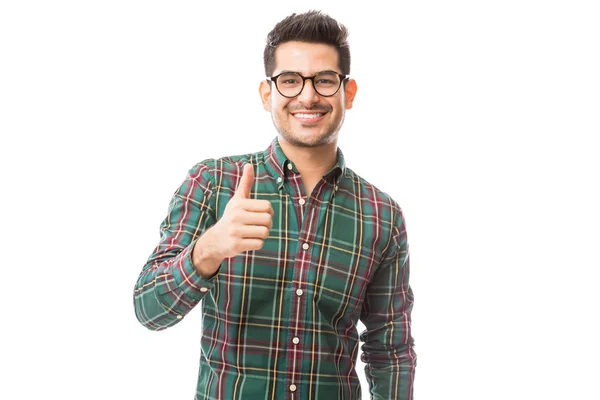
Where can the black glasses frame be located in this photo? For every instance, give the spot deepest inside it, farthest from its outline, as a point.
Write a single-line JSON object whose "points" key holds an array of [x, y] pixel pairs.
{"points": [[312, 79]]}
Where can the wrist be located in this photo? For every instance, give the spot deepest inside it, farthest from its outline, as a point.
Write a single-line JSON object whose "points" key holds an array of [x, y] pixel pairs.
{"points": [[205, 257]]}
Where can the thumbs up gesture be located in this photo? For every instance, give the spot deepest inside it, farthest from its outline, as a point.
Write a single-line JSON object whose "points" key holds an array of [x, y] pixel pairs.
{"points": [[244, 226]]}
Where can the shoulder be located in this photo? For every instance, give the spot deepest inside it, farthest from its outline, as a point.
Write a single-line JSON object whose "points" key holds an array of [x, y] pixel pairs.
{"points": [[230, 162], [212, 171], [377, 202], [368, 192]]}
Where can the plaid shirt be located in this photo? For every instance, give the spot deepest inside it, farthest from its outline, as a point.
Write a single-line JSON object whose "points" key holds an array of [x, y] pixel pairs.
{"points": [[280, 322]]}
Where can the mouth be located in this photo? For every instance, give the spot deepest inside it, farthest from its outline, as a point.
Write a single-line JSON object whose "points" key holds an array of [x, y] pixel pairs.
{"points": [[308, 118]]}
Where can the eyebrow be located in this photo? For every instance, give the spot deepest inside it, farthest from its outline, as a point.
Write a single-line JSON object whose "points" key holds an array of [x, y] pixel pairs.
{"points": [[320, 72]]}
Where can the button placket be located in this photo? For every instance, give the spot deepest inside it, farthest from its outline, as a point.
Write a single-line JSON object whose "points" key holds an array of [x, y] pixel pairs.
{"points": [[300, 276]]}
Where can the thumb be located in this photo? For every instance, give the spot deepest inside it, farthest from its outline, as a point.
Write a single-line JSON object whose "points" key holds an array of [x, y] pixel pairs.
{"points": [[246, 182]]}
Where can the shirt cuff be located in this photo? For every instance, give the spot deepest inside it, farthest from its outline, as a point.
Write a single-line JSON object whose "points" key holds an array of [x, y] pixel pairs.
{"points": [[187, 279]]}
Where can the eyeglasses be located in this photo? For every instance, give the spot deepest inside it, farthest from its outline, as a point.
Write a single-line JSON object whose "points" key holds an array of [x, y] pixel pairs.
{"points": [[291, 84]]}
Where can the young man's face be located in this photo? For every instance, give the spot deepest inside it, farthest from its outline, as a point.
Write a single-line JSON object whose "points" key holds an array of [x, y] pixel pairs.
{"points": [[309, 119]]}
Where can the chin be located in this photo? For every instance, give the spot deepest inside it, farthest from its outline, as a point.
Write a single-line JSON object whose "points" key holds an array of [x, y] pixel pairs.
{"points": [[309, 139]]}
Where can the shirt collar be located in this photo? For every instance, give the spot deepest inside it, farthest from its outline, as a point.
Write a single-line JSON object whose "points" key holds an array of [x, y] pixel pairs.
{"points": [[277, 163]]}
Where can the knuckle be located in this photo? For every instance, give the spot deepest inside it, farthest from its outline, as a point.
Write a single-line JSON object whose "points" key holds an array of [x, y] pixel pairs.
{"points": [[236, 215]]}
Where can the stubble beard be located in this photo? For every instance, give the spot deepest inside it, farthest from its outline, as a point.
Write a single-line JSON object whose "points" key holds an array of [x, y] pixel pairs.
{"points": [[329, 136]]}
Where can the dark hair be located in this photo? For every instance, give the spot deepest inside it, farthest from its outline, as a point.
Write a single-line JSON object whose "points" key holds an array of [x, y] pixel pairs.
{"points": [[310, 27]]}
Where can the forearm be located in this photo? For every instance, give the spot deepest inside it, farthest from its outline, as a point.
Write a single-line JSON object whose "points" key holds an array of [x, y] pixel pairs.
{"points": [[388, 353], [390, 372], [166, 291]]}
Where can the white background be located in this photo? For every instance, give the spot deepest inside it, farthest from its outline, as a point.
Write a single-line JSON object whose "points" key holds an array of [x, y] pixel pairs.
{"points": [[480, 118]]}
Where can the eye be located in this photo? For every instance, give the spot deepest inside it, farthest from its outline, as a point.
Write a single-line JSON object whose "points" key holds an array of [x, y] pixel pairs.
{"points": [[327, 79], [289, 80]]}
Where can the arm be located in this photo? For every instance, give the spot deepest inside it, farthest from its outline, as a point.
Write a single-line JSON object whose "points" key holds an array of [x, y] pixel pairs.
{"points": [[169, 285], [388, 345]]}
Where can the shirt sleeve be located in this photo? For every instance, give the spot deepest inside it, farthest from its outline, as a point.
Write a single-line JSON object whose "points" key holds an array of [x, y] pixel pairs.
{"points": [[169, 286], [388, 353]]}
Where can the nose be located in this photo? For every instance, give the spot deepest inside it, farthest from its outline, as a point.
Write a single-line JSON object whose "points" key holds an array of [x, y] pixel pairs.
{"points": [[308, 95]]}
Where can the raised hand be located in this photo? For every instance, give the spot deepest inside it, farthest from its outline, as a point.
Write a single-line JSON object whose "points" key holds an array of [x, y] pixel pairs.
{"points": [[244, 226]]}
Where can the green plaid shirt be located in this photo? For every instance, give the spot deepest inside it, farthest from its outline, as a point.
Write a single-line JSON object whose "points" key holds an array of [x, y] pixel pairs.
{"points": [[280, 322]]}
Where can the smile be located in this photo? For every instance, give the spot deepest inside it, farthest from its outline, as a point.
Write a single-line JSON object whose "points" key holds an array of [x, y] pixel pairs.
{"points": [[309, 118]]}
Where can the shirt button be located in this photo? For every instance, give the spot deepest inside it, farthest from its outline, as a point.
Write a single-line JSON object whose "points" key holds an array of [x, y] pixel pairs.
{"points": [[293, 388], [301, 201], [290, 166], [279, 179], [203, 289], [296, 340], [179, 317], [299, 292], [305, 246]]}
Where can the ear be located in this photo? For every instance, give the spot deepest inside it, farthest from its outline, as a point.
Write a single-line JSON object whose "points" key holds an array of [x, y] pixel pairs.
{"points": [[265, 94], [350, 90]]}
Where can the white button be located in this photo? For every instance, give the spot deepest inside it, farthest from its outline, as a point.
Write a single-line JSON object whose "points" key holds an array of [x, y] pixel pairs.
{"points": [[299, 292], [279, 179], [305, 246], [203, 289], [290, 166], [179, 317], [301, 201], [293, 388], [296, 340]]}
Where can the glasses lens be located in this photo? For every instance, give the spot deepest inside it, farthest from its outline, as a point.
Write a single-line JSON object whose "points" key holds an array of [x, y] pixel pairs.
{"points": [[327, 83], [289, 84]]}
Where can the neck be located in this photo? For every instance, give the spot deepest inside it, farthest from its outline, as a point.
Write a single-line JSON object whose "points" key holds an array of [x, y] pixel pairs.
{"points": [[311, 162]]}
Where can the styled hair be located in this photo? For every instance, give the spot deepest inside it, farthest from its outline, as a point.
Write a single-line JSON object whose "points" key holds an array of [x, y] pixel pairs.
{"points": [[310, 27]]}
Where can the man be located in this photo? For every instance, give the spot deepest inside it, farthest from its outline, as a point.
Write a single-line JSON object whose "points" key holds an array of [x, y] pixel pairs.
{"points": [[288, 248]]}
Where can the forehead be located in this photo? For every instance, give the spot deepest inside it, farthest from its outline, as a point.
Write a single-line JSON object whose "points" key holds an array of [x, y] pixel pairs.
{"points": [[306, 58]]}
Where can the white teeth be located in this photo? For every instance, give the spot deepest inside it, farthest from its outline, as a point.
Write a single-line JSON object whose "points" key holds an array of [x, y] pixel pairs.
{"points": [[308, 116]]}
